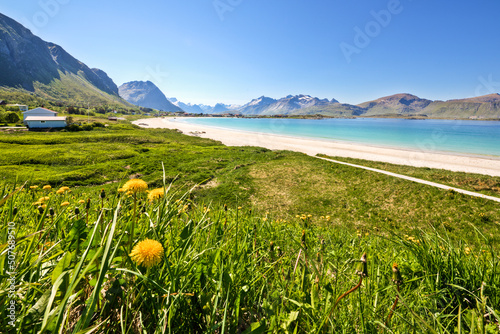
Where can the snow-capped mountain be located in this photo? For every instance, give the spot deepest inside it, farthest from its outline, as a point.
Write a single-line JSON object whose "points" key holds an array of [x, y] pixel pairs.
{"points": [[203, 108], [269, 106]]}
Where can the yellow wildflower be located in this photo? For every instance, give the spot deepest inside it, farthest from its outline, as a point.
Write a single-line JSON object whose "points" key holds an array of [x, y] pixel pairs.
{"points": [[44, 199], [64, 203], [33, 187], [156, 194], [147, 253], [467, 250], [47, 187], [82, 201], [135, 186]]}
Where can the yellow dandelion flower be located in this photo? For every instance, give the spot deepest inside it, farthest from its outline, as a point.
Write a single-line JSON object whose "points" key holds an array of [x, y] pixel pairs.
{"points": [[135, 186], [467, 250], [147, 253], [33, 187], [82, 201], [43, 199], [264, 219], [64, 203], [156, 194], [47, 187]]}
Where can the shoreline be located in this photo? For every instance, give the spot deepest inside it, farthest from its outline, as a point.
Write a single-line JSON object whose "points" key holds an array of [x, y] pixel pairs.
{"points": [[400, 156]]}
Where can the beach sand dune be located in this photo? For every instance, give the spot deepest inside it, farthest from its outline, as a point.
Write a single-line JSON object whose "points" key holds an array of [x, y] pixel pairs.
{"points": [[454, 162]]}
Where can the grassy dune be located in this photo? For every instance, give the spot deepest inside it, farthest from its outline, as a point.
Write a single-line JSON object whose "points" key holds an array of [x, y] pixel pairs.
{"points": [[253, 241]]}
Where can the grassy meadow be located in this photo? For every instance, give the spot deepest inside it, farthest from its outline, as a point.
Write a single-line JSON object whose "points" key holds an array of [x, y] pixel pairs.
{"points": [[236, 240]]}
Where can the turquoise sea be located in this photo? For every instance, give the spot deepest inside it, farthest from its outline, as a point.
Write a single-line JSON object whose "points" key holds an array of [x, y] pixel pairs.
{"points": [[453, 136]]}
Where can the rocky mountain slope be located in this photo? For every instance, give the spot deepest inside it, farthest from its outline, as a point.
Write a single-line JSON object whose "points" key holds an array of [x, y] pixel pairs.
{"points": [[395, 104], [486, 106], [48, 70], [146, 94]]}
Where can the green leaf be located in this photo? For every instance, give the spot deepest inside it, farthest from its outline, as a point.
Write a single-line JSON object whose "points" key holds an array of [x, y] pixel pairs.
{"points": [[38, 309], [329, 288], [61, 266], [187, 230], [255, 328]]}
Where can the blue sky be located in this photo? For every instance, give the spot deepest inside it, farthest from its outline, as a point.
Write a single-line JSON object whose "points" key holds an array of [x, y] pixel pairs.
{"points": [[231, 51]]}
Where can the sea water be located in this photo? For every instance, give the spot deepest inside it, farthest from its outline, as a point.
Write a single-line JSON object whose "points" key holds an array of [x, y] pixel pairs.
{"points": [[452, 136]]}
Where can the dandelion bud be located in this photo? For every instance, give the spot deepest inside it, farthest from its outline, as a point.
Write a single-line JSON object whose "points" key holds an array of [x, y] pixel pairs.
{"points": [[303, 238], [271, 247], [87, 205], [77, 211], [362, 268], [51, 211], [14, 211], [225, 207], [41, 209], [322, 245], [280, 252], [396, 275], [103, 194]]}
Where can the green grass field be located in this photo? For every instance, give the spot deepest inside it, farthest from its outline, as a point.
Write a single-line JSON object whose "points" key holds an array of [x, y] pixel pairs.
{"points": [[254, 241]]}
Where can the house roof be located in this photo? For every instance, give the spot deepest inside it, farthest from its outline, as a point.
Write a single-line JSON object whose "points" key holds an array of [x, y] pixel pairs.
{"points": [[44, 110], [45, 118]]}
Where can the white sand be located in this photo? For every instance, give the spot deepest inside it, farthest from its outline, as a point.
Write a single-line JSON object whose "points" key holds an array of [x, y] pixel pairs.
{"points": [[454, 162]]}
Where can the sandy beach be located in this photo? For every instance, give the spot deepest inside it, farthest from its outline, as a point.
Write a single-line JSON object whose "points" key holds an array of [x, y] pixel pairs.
{"points": [[462, 163]]}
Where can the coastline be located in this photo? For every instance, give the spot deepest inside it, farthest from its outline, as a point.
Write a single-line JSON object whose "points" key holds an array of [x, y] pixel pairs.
{"points": [[454, 162]]}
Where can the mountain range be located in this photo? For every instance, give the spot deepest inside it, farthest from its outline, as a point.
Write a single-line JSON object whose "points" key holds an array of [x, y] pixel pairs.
{"points": [[487, 106], [31, 64], [46, 70], [203, 108]]}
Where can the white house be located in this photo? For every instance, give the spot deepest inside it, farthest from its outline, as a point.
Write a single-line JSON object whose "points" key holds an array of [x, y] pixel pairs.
{"points": [[41, 118], [44, 122]]}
